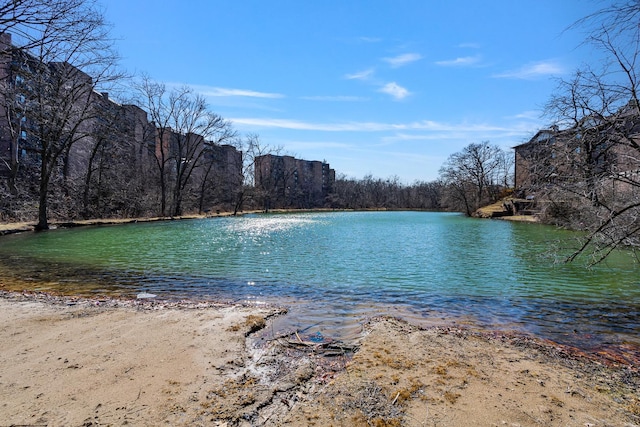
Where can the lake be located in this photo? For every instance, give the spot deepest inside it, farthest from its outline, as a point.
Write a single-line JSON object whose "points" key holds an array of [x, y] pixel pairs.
{"points": [[333, 270]]}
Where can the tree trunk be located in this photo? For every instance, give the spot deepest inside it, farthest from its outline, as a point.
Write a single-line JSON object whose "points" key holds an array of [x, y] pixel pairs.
{"points": [[14, 165], [43, 221], [163, 194]]}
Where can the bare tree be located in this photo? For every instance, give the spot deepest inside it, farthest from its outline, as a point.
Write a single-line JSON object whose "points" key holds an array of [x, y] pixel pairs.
{"points": [[258, 184], [390, 193], [474, 176], [115, 180], [25, 19], [183, 129], [596, 159], [65, 53], [221, 177]]}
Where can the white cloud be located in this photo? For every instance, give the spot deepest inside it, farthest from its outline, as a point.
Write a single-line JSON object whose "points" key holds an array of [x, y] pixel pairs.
{"points": [[361, 75], [533, 70], [395, 90], [528, 115], [301, 125], [460, 62], [338, 98], [402, 60], [219, 91], [423, 125]]}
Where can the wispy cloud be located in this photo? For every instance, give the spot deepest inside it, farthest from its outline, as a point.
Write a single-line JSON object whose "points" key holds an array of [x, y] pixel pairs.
{"points": [[361, 75], [527, 115], [422, 125], [315, 145], [369, 39], [463, 61], [427, 131], [338, 98], [402, 60], [533, 70], [220, 91], [392, 88], [395, 90], [469, 45], [302, 125]]}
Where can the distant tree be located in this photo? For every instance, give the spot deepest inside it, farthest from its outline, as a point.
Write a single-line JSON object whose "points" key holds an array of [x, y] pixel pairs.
{"points": [[344, 193], [66, 55], [474, 176], [423, 195], [390, 193]]}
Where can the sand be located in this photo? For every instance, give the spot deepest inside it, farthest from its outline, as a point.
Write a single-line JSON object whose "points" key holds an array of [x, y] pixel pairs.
{"points": [[76, 362]]}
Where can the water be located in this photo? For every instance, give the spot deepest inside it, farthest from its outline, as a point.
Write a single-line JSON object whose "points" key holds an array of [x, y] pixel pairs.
{"points": [[334, 270]]}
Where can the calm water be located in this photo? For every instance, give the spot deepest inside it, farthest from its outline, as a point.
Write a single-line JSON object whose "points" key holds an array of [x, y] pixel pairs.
{"points": [[333, 270]]}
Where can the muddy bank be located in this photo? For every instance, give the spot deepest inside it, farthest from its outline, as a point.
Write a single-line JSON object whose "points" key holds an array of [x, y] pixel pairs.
{"points": [[72, 362]]}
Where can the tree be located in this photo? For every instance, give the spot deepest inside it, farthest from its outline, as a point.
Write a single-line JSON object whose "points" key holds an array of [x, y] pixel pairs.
{"points": [[596, 165], [221, 177], [182, 130], [259, 184], [65, 54], [474, 176], [115, 182], [20, 17]]}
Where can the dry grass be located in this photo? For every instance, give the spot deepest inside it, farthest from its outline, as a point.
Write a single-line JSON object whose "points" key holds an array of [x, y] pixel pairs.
{"points": [[252, 323]]}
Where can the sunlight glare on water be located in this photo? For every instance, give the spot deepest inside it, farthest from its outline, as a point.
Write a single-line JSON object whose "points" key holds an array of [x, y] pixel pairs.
{"points": [[333, 270]]}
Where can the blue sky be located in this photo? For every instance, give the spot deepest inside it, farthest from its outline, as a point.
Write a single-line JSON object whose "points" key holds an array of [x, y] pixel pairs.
{"points": [[388, 88]]}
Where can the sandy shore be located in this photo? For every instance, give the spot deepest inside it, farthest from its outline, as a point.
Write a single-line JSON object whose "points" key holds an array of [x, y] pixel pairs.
{"points": [[76, 362]]}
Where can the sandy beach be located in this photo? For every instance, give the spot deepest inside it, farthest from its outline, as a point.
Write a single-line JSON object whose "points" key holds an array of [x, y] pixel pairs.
{"points": [[78, 362]]}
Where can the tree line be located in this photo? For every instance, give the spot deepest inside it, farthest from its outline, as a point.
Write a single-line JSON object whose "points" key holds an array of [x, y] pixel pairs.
{"points": [[476, 176]]}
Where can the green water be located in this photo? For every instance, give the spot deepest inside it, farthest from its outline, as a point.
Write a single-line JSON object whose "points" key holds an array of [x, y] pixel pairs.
{"points": [[335, 269]]}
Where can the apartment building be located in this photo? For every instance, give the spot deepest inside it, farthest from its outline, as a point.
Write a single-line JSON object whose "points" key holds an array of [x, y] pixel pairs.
{"points": [[289, 182], [595, 148]]}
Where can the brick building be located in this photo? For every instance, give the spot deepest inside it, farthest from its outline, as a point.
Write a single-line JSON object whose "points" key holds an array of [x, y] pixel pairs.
{"points": [[604, 148], [289, 182]]}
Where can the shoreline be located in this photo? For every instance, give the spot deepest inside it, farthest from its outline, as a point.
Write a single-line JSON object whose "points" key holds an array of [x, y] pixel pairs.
{"points": [[615, 355], [629, 360], [79, 361], [29, 226]]}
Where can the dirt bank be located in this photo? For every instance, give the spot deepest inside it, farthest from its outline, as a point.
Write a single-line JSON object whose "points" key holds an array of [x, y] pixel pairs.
{"points": [[75, 362]]}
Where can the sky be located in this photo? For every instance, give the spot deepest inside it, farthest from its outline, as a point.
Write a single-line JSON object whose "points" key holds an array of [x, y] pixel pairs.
{"points": [[386, 88]]}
